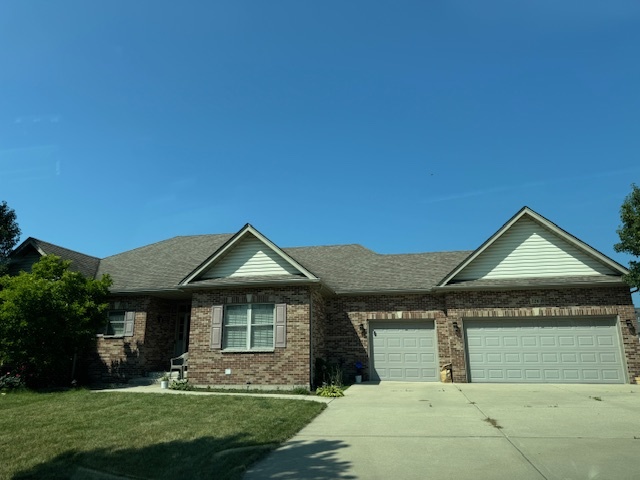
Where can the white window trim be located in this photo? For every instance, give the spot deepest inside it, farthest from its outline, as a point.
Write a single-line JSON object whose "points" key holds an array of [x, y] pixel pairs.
{"points": [[248, 327]]}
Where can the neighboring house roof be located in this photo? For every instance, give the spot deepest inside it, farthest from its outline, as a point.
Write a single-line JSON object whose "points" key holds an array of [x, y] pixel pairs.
{"points": [[85, 264]]}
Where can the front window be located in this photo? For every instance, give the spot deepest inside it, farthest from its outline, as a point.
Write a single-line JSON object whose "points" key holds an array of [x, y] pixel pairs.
{"points": [[115, 326], [248, 327]]}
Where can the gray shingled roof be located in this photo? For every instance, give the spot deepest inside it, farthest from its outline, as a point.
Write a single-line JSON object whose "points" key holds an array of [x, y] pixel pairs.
{"points": [[353, 268], [85, 264], [343, 268], [161, 265]]}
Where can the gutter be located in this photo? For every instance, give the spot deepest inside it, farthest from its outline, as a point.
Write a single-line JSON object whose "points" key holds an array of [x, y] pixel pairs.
{"points": [[258, 283], [546, 286]]}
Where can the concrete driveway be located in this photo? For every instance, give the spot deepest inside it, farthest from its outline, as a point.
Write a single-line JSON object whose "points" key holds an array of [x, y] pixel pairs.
{"points": [[467, 431]]}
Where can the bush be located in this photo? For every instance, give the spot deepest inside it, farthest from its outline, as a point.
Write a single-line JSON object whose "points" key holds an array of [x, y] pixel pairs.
{"points": [[330, 391], [11, 381], [180, 385]]}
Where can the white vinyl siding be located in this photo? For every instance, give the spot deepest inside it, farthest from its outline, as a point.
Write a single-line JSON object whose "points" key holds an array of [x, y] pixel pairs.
{"points": [[528, 249], [250, 257]]}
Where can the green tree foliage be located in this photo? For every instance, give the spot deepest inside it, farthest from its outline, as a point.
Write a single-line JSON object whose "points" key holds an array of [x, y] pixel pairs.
{"points": [[9, 234], [47, 316], [629, 233]]}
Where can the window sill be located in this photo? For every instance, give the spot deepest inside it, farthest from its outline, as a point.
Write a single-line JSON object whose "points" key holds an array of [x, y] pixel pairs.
{"points": [[101, 335], [256, 350]]}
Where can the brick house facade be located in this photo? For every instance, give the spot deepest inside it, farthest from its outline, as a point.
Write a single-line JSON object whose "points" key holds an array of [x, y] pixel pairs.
{"points": [[251, 313]]}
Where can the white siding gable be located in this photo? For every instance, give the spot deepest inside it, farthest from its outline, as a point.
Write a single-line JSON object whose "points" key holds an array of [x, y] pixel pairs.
{"points": [[528, 249], [250, 257]]}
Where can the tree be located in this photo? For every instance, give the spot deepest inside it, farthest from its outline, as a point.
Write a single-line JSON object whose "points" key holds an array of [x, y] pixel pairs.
{"points": [[9, 234], [47, 317], [629, 233]]}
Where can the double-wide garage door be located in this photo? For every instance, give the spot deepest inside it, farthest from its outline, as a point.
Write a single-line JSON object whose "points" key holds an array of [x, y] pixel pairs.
{"points": [[544, 351], [404, 352]]}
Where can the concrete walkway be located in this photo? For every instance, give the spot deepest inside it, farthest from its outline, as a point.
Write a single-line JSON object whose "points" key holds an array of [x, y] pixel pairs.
{"points": [[467, 431], [155, 388]]}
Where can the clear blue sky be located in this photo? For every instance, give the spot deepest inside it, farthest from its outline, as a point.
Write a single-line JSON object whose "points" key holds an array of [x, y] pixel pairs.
{"points": [[404, 126]]}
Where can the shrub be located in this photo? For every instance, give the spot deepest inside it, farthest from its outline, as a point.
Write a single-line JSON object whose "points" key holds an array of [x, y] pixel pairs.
{"points": [[330, 391], [11, 381], [180, 385]]}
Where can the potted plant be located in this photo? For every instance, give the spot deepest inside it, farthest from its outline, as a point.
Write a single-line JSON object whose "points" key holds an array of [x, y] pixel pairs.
{"points": [[358, 371], [164, 381]]}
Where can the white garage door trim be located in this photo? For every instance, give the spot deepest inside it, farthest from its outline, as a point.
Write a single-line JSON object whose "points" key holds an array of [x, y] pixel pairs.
{"points": [[544, 350], [403, 351]]}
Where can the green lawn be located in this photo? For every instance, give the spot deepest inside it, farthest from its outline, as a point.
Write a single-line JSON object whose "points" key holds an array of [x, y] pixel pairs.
{"points": [[150, 436]]}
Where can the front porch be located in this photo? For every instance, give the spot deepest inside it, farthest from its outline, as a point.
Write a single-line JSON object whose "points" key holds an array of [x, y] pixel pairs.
{"points": [[160, 332]]}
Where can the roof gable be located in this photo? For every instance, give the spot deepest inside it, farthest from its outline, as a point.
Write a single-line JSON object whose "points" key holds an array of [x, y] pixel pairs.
{"points": [[248, 254], [32, 249], [530, 246]]}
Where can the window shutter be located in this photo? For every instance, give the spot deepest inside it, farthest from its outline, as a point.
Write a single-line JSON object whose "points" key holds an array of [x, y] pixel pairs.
{"points": [[281, 325], [216, 327], [129, 320]]}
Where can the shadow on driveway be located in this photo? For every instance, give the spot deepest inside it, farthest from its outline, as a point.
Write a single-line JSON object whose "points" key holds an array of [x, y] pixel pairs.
{"points": [[316, 459]]}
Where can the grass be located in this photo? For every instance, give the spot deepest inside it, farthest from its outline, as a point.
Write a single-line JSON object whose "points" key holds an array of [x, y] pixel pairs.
{"points": [[146, 436]]}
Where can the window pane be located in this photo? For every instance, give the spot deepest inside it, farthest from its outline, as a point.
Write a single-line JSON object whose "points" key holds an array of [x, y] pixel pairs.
{"points": [[116, 323], [235, 315], [262, 314], [262, 336], [235, 337]]}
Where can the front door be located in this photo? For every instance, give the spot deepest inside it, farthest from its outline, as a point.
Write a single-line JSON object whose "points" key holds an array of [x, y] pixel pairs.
{"points": [[183, 322]]}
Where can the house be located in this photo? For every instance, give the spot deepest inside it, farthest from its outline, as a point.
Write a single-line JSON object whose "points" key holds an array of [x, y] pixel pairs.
{"points": [[531, 304]]}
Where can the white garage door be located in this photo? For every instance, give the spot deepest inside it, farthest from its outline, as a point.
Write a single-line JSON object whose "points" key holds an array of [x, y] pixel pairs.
{"points": [[544, 351], [404, 352]]}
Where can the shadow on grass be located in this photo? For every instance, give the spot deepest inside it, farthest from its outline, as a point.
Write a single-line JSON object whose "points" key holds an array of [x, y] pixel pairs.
{"points": [[208, 457]]}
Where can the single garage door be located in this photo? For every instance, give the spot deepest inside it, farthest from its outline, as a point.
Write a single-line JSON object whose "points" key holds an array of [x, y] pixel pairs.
{"points": [[544, 351], [404, 352]]}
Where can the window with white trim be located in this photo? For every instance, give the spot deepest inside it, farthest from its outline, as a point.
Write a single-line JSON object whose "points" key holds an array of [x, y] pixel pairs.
{"points": [[115, 326], [119, 324], [248, 327]]}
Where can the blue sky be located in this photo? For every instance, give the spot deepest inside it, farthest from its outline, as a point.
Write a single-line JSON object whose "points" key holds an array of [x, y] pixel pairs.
{"points": [[417, 126]]}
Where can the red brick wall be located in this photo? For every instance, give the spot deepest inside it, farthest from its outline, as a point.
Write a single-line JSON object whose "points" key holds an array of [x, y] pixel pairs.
{"points": [[346, 343], [287, 366], [318, 329], [570, 302], [149, 349]]}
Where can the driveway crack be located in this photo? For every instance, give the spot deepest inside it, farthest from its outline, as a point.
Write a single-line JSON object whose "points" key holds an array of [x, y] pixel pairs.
{"points": [[501, 430]]}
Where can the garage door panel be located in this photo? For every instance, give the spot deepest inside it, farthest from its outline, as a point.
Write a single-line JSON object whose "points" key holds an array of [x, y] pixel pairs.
{"points": [[411, 358], [528, 350], [605, 340], [428, 358], [510, 341], [404, 352]]}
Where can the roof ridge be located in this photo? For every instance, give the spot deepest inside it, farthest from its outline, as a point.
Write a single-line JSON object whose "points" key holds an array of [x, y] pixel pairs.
{"points": [[329, 246]]}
